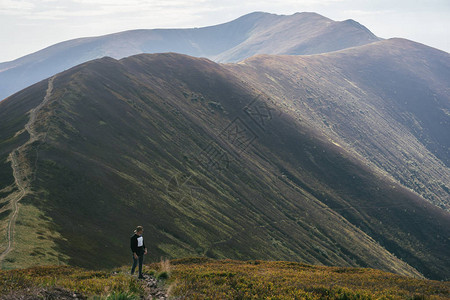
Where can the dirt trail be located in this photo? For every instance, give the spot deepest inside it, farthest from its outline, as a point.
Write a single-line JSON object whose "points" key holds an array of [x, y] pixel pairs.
{"points": [[20, 171]]}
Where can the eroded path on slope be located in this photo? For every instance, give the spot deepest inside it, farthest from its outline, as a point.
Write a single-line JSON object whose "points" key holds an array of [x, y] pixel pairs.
{"points": [[21, 172]]}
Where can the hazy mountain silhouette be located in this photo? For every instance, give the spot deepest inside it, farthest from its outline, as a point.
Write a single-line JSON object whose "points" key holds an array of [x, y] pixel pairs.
{"points": [[255, 33], [229, 160]]}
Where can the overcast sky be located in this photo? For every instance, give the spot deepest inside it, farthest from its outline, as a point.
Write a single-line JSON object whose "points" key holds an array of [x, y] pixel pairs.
{"points": [[30, 25]]}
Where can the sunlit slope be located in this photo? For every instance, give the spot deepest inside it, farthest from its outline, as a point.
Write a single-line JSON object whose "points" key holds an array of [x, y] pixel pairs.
{"points": [[388, 101]]}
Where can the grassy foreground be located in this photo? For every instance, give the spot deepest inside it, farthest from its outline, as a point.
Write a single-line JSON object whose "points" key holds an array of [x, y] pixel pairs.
{"points": [[200, 278]]}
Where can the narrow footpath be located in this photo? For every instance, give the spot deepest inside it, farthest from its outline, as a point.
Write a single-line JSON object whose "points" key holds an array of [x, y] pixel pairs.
{"points": [[21, 172]]}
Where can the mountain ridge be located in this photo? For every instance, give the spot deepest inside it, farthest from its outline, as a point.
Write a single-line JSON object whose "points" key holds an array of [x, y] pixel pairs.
{"points": [[364, 71], [287, 192], [231, 41]]}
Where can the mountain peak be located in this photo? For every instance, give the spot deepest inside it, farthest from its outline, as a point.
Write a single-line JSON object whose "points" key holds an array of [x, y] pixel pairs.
{"points": [[310, 14], [251, 34], [357, 25]]}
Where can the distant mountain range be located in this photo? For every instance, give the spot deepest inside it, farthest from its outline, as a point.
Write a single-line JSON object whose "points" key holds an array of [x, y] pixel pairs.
{"points": [[255, 33]]}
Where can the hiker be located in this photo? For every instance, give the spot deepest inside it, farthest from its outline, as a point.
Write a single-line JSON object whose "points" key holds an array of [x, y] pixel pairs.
{"points": [[138, 248]]}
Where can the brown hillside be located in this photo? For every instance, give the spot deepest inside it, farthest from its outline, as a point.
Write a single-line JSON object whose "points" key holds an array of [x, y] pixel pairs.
{"points": [[176, 144]]}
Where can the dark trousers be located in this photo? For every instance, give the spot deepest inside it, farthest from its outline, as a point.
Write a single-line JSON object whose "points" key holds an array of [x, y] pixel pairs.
{"points": [[135, 262]]}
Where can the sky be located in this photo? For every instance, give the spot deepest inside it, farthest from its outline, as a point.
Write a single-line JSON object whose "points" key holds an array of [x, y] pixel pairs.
{"points": [[27, 26]]}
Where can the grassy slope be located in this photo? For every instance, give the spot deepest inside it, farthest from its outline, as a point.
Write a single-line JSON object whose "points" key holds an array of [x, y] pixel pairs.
{"points": [[230, 279], [13, 116], [387, 100], [365, 100], [119, 131]]}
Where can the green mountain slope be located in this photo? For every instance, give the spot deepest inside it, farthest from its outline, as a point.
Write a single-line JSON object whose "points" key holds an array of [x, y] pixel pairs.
{"points": [[209, 165]]}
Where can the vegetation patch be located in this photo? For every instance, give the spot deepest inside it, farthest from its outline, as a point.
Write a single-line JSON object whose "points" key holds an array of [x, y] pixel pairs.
{"points": [[230, 279], [215, 105], [5, 214], [34, 240], [198, 278], [87, 283]]}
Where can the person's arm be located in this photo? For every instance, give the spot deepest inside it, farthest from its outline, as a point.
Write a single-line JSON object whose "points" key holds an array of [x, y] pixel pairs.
{"points": [[145, 248], [133, 245]]}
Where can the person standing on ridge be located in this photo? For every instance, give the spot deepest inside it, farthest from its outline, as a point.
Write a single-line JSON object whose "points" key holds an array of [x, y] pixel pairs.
{"points": [[139, 250]]}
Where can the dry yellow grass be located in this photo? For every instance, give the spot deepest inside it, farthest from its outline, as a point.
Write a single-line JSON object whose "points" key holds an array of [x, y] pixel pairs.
{"points": [[201, 278], [230, 279]]}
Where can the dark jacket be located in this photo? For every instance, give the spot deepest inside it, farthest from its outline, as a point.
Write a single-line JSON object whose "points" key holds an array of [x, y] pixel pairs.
{"points": [[134, 245]]}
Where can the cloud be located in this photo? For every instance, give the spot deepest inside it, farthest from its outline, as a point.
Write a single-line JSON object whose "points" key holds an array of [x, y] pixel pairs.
{"points": [[357, 13], [15, 7], [61, 14], [60, 10]]}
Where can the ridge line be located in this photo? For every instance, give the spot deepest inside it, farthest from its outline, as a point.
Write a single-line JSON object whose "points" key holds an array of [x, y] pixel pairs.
{"points": [[19, 176]]}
